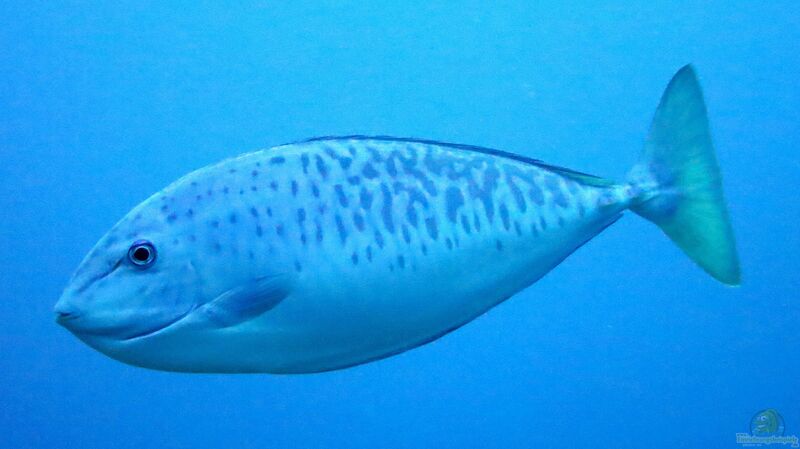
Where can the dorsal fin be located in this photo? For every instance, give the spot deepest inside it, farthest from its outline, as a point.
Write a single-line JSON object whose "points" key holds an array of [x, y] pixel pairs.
{"points": [[581, 177]]}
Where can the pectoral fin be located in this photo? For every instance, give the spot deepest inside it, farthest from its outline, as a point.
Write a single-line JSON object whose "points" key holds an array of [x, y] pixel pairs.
{"points": [[247, 301]]}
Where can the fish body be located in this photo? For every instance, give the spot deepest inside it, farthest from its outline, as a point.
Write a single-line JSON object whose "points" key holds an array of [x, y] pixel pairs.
{"points": [[332, 252]]}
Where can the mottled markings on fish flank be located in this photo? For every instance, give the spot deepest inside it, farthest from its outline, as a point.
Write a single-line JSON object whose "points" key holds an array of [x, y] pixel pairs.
{"points": [[504, 216], [358, 220], [341, 229], [386, 209], [340, 195], [465, 224], [365, 198], [391, 168], [406, 234], [431, 226], [453, 200], [369, 171], [322, 167], [344, 161], [554, 187], [318, 233], [480, 195]]}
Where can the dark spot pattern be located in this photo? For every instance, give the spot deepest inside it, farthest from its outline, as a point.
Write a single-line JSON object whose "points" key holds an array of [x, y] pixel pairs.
{"points": [[319, 234], [369, 171], [504, 216], [341, 229], [358, 220], [322, 167], [340, 195], [552, 184], [365, 197], [453, 200], [433, 230], [386, 209], [465, 224]]}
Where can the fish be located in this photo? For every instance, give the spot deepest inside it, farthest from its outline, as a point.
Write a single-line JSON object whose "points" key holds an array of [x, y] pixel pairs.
{"points": [[337, 251]]}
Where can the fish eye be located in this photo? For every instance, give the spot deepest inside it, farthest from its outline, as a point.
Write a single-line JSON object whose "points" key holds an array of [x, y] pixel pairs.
{"points": [[142, 254]]}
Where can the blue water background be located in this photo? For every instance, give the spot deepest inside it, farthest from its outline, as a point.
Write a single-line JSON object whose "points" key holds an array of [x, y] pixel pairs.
{"points": [[626, 344]]}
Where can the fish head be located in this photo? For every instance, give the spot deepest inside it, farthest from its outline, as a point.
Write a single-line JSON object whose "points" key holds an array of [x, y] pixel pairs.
{"points": [[139, 279]]}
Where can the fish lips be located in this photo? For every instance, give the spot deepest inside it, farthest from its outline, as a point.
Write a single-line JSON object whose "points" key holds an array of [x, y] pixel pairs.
{"points": [[86, 325]]}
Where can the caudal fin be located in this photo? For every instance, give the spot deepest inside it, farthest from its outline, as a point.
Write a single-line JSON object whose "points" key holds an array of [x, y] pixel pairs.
{"points": [[680, 184]]}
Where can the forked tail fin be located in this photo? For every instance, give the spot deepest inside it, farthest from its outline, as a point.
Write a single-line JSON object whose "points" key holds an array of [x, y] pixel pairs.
{"points": [[679, 181]]}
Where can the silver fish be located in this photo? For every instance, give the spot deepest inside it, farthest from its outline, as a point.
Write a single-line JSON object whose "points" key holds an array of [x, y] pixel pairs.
{"points": [[337, 251]]}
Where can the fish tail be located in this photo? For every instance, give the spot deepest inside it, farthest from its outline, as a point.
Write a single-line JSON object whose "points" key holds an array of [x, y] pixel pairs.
{"points": [[678, 182]]}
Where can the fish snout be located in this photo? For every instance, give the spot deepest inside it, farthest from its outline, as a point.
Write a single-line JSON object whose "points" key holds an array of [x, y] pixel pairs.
{"points": [[65, 312]]}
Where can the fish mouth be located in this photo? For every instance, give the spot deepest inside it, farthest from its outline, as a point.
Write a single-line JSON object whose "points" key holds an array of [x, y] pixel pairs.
{"points": [[76, 323], [158, 329], [63, 317]]}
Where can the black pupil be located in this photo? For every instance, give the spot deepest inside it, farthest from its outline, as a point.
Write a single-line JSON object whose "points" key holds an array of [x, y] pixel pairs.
{"points": [[141, 254]]}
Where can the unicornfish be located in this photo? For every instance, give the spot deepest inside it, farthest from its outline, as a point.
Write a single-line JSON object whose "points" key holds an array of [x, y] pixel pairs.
{"points": [[337, 251]]}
